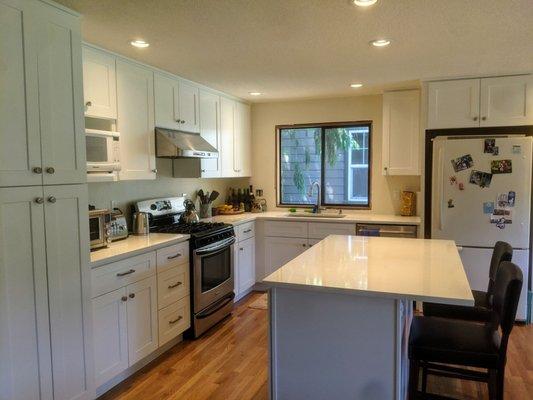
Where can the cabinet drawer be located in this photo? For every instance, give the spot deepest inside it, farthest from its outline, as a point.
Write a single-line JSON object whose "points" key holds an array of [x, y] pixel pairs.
{"points": [[319, 230], [172, 285], [286, 229], [171, 256], [245, 231], [112, 276], [173, 320]]}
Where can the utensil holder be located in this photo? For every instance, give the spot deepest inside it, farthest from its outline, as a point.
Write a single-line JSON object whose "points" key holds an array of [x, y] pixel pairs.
{"points": [[205, 210]]}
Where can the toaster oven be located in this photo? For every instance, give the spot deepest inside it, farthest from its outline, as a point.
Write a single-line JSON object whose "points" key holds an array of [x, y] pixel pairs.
{"points": [[99, 228]]}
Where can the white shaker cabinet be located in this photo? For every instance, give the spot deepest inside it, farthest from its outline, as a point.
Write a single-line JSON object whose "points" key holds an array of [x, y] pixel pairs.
{"points": [[135, 121], [41, 104], [453, 104], [176, 104], [281, 250], [110, 334], [242, 141], [99, 84], [227, 127], [401, 149], [507, 101], [245, 266], [210, 131]]}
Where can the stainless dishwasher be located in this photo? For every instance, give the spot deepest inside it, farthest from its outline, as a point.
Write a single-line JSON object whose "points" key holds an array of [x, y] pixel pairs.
{"points": [[400, 231]]}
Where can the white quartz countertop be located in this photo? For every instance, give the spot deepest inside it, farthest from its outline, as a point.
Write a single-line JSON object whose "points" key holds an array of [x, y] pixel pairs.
{"points": [[349, 218], [133, 246], [416, 269]]}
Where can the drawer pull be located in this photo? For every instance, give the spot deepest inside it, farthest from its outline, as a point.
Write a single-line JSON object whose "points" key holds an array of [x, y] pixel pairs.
{"points": [[131, 271], [175, 285], [174, 256], [175, 320], [132, 295], [247, 231]]}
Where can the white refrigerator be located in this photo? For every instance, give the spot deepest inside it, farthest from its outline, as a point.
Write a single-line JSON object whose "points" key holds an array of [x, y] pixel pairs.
{"points": [[481, 193]]}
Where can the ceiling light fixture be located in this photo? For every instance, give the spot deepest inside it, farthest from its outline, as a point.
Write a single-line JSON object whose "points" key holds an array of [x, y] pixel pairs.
{"points": [[139, 43], [356, 85], [380, 42], [364, 3], [255, 93]]}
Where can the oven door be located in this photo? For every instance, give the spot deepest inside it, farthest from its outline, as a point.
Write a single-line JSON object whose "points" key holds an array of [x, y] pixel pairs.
{"points": [[213, 273], [96, 231]]}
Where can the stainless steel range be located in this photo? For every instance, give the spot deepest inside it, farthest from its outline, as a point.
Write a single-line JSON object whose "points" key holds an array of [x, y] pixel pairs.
{"points": [[212, 265]]}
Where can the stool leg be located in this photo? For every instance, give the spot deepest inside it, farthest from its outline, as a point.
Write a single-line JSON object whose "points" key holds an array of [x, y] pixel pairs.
{"points": [[492, 384], [500, 380], [424, 379], [414, 368]]}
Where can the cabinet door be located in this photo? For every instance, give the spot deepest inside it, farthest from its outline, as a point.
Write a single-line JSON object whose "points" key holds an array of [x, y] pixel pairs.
{"points": [[280, 250], [142, 319], [453, 104], [166, 93], [507, 101], [227, 127], [174, 320], [401, 133], [188, 106], [242, 142], [61, 97], [20, 142], [99, 84], [110, 335], [210, 131], [67, 256], [246, 264], [135, 99], [25, 359]]}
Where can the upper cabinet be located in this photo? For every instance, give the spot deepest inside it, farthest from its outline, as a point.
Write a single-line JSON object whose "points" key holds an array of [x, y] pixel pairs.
{"points": [[242, 140], [401, 116], [227, 128], [99, 84], [135, 121], [210, 131], [176, 104], [41, 106], [465, 103]]}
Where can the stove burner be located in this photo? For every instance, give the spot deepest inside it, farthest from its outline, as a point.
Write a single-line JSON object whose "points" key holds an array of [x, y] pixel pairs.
{"points": [[199, 227]]}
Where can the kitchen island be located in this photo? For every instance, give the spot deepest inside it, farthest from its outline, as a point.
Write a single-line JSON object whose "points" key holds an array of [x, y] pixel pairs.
{"points": [[340, 314]]}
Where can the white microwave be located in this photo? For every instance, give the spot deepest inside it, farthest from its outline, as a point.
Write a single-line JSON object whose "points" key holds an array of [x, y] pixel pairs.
{"points": [[103, 151]]}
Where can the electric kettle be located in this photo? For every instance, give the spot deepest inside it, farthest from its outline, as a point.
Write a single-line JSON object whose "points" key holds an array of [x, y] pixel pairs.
{"points": [[141, 223]]}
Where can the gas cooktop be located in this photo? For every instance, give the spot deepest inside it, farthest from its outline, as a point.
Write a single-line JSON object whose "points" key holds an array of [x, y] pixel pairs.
{"points": [[197, 229]]}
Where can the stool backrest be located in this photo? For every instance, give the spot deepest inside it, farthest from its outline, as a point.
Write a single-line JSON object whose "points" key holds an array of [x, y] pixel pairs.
{"points": [[507, 289], [503, 251]]}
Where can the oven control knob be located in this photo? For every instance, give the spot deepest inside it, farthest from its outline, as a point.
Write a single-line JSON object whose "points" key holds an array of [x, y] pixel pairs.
{"points": [[153, 207]]}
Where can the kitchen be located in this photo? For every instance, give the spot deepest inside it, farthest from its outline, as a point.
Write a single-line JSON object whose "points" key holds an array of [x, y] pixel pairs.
{"points": [[105, 110]]}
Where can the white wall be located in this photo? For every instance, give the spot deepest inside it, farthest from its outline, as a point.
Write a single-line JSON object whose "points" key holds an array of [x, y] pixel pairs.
{"points": [[265, 116]]}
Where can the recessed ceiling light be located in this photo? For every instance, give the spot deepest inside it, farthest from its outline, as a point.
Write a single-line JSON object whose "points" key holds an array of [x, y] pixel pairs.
{"points": [[255, 93], [139, 43], [380, 42], [356, 85], [364, 3]]}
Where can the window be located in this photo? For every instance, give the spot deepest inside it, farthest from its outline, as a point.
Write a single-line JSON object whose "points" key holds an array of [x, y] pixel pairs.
{"points": [[335, 155]]}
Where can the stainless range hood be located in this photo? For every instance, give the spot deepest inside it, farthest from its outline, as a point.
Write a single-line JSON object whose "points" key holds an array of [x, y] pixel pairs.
{"points": [[170, 143]]}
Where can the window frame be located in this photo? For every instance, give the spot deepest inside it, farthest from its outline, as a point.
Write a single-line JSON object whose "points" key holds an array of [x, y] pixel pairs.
{"points": [[323, 126]]}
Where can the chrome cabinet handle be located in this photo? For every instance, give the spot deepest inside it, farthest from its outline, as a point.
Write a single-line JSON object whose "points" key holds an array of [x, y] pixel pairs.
{"points": [[154, 170], [132, 295], [203, 170], [483, 118], [178, 121], [182, 121], [175, 285], [304, 245], [89, 104], [50, 170], [475, 118], [37, 170], [123, 298], [39, 200], [51, 199], [131, 271], [241, 249], [175, 320], [247, 231], [174, 256]]}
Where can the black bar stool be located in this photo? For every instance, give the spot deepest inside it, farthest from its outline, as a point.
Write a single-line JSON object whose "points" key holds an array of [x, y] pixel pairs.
{"points": [[442, 346], [482, 300]]}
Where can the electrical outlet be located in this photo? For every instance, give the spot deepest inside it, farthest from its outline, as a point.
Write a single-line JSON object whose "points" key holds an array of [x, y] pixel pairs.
{"points": [[113, 204], [396, 194]]}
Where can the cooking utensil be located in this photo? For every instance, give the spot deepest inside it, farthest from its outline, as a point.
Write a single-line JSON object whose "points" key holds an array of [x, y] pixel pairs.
{"points": [[141, 223], [201, 195], [213, 196]]}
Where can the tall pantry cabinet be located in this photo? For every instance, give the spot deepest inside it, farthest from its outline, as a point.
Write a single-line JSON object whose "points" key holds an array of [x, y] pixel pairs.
{"points": [[45, 349]]}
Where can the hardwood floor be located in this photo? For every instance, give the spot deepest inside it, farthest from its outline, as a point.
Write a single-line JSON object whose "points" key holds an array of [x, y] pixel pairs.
{"points": [[230, 363]]}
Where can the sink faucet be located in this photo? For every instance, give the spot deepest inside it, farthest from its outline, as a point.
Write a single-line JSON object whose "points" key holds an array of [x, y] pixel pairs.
{"points": [[317, 208]]}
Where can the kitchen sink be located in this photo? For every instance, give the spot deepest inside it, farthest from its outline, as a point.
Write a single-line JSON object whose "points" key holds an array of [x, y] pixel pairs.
{"points": [[312, 215]]}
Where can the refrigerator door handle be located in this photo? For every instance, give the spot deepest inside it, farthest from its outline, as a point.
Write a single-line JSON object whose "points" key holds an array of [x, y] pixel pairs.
{"points": [[440, 186]]}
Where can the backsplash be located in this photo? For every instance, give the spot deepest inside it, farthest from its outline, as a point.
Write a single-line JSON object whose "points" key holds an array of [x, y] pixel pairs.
{"points": [[124, 193]]}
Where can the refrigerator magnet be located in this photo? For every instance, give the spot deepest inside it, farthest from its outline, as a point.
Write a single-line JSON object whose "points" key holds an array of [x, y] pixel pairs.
{"points": [[489, 146], [462, 163], [501, 166], [450, 203], [488, 207], [511, 197], [496, 151], [502, 200], [482, 179], [517, 149], [453, 180], [461, 186]]}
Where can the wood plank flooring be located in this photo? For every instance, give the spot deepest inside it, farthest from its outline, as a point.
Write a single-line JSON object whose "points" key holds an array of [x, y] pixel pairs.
{"points": [[230, 362]]}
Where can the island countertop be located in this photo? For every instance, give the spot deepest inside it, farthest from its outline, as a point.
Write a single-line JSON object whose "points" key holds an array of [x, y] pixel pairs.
{"points": [[414, 269]]}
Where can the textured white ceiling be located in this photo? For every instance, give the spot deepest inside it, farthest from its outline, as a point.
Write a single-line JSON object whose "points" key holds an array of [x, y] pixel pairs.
{"points": [[314, 48]]}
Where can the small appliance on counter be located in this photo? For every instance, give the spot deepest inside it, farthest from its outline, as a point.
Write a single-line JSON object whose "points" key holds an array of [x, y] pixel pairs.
{"points": [[99, 233], [141, 223], [118, 227]]}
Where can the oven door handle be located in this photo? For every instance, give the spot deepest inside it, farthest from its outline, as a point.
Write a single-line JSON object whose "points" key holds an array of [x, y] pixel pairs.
{"points": [[215, 307], [202, 251]]}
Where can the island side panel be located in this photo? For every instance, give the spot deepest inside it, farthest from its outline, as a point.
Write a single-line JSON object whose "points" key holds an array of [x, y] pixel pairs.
{"points": [[331, 345]]}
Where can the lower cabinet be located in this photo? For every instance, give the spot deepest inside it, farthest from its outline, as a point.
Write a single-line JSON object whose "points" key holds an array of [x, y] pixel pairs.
{"points": [[174, 320], [281, 250], [244, 267]]}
